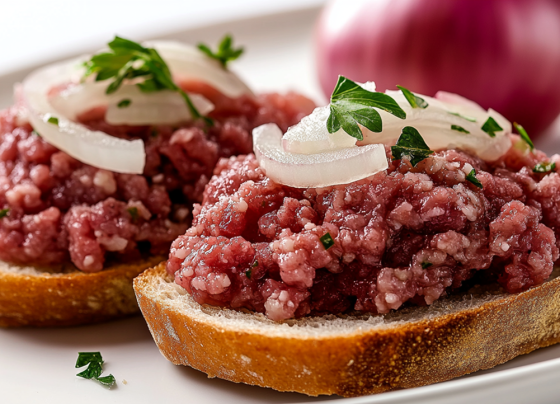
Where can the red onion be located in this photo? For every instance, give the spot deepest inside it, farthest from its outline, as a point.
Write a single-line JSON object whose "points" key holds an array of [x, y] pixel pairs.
{"points": [[502, 54]]}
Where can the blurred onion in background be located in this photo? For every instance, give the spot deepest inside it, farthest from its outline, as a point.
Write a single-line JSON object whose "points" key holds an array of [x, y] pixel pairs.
{"points": [[503, 54]]}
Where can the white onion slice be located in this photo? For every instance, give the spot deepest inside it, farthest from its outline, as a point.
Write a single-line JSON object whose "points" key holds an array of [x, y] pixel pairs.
{"points": [[310, 135], [165, 107], [90, 147], [186, 61], [434, 124], [315, 170]]}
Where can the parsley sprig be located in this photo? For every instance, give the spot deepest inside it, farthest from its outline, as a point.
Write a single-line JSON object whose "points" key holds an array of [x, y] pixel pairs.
{"points": [[352, 105], [94, 363], [225, 52], [412, 145], [130, 60]]}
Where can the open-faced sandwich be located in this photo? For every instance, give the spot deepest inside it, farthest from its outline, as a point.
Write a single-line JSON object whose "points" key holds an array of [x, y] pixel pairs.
{"points": [[101, 159], [388, 240]]}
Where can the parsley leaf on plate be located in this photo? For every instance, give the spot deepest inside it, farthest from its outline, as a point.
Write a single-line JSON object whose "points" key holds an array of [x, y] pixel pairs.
{"points": [[130, 60], [413, 99], [412, 145], [94, 363], [225, 52], [352, 105]]}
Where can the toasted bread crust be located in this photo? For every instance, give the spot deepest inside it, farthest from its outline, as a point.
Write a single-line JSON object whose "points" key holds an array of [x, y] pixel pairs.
{"points": [[70, 298], [362, 361]]}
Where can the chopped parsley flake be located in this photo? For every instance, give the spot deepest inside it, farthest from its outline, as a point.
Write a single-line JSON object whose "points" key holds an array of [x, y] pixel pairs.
{"points": [[459, 129], [34, 132], [524, 135], [351, 106], [225, 52], [491, 127], [249, 272], [411, 144], [53, 120], [327, 240], [544, 168], [426, 265], [94, 363], [413, 100], [468, 118], [472, 178], [133, 211], [4, 212], [124, 103]]}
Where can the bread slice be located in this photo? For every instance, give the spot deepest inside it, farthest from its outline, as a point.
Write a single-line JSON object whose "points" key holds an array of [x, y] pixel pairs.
{"points": [[350, 355], [62, 296]]}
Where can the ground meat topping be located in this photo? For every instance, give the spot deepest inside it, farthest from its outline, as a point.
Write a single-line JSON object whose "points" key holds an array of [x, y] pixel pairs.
{"points": [[60, 209], [410, 234]]}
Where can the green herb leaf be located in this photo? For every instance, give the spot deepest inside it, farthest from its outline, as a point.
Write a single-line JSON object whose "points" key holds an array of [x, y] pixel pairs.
{"points": [[426, 265], [352, 105], [411, 144], [93, 371], [53, 120], [85, 358], [413, 100], [35, 133], [249, 272], [94, 363], [327, 240], [459, 129], [130, 60], [124, 103], [133, 211], [472, 178], [225, 52], [524, 135], [468, 118], [108, 381], [491, 127], [539, 168], [4, 212]]}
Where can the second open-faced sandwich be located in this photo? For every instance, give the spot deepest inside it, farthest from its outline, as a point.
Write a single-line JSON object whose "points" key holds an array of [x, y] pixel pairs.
{"points": [[101, 158], [388, 240]]}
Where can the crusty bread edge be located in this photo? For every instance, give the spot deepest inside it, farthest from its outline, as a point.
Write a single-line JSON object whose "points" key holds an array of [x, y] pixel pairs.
{"points": [[363, 361], [38, 298]]}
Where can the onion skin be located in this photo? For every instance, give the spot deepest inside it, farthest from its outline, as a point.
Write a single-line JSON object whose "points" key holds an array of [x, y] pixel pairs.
{"points": [[502, 54]]}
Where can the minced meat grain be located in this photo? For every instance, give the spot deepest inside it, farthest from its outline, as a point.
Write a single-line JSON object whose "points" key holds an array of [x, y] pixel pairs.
{"points": [[59, 209], [408, 234]]}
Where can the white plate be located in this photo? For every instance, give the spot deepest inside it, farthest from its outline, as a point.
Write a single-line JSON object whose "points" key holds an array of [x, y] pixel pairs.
{"points": [[38, 365]]}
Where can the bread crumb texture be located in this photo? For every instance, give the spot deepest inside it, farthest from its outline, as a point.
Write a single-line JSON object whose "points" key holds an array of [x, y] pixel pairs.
{"points": [[350, 355]]}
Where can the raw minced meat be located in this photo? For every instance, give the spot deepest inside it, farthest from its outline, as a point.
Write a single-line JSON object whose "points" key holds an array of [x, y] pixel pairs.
{"points": [[403, 235], [60, 209]]}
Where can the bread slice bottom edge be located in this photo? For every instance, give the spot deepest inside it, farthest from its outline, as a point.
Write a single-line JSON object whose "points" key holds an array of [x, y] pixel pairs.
{"points": [[349, 355], [38, 297]]}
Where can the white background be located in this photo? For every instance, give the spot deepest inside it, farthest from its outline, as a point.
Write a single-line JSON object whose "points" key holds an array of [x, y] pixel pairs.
{"points": [[32, 31]]}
